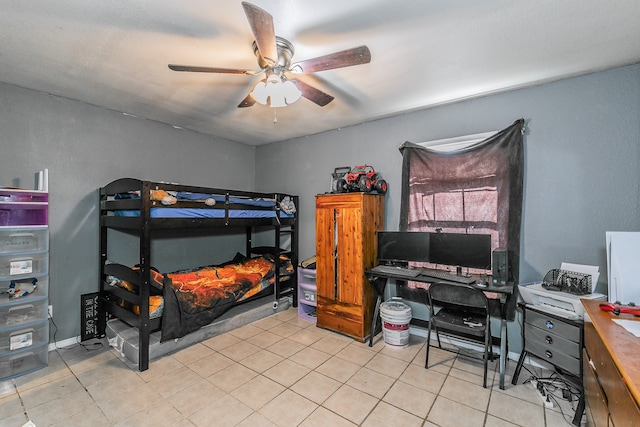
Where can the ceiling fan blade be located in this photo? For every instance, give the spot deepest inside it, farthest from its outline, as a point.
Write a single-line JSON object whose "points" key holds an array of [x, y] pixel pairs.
{"points": [[194, 69], [346, 58], [247, 102], [261, 23], [312, 94]]}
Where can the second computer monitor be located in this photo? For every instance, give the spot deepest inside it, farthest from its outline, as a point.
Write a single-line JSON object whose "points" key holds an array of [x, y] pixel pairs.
{"points": [[458, 249]]}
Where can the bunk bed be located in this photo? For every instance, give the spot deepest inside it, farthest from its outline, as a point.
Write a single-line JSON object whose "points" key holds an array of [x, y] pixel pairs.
{"points": [[153, 301]]}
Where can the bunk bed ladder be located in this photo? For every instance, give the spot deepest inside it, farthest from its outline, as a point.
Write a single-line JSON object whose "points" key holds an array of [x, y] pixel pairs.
{"points": [[292, 253], [102, 317], [145, 271], [290, 230]]}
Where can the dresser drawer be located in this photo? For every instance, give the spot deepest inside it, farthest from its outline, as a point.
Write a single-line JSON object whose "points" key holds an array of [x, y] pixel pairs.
{"points": [[558, 327], [23, 289], [551, 341], [21, 312], [24, 265], [33, 239], [23, 336], [23, 361], [560, 352]]}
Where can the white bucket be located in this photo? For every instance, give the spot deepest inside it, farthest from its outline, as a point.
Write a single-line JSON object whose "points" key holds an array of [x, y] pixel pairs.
{"points": [[395, 317]]}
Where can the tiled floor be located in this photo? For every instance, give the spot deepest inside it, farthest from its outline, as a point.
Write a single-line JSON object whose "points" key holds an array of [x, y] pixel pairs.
{"points": [[278, 371]]}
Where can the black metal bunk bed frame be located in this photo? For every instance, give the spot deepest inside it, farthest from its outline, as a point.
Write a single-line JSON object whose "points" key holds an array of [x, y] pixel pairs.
{"points": [[147, 227]]}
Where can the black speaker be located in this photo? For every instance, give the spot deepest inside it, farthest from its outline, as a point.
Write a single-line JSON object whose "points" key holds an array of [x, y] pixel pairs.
{"points": [[500, 266]]}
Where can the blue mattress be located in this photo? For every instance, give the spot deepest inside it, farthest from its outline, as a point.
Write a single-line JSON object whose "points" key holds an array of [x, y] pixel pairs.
{"points": [[204, 213], [184, 195], [220, 212]]}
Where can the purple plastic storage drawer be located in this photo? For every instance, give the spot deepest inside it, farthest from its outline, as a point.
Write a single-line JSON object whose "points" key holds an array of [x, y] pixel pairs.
{"points": [[23, 207], [19, 214], [24, 196]]}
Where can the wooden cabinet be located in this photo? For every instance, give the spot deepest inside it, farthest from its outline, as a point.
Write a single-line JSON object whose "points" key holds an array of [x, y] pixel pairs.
{"points": [[346, 226], [611, 369]]}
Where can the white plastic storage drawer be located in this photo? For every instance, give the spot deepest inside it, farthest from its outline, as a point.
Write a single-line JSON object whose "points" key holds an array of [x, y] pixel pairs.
{"points": [[24, 336], [24, 265], [23, 361], [15, 240], [23, 289], [23, 312]]}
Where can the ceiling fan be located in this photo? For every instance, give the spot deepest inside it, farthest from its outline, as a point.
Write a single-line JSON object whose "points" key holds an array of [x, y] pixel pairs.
{"points": [[274, 55]]}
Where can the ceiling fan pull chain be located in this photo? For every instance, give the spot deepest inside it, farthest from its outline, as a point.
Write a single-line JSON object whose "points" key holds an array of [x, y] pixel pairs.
{"points": [[275, 116]]}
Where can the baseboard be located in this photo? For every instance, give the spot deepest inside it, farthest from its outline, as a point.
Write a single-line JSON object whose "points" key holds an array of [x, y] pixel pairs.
{"points": [[64, 343]]}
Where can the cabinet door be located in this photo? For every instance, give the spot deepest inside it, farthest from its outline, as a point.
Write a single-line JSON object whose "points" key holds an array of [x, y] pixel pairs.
{"points": [[349, 263], [325, 253], [339, 253]]}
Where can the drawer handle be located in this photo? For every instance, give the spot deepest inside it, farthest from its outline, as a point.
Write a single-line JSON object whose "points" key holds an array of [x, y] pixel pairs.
{"points": [[22, 235], [21, 307], [548, 339], [548, 354], [549, 324]]}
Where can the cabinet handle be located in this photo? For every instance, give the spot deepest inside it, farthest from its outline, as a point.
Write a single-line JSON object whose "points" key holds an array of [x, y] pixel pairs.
{"points": [[548, 339], [548, 354]]}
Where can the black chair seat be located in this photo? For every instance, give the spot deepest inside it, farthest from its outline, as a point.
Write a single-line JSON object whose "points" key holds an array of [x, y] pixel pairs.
{"points": [[463, 323], [461, 311]]}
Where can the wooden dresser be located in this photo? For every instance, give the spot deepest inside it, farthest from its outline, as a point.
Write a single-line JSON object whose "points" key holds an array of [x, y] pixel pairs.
{"points": [[611, 369], [346, 226]]}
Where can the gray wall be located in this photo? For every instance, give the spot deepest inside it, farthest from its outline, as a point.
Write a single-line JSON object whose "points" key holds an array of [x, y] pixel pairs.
{"points": [[85, 147], [582, 171]]}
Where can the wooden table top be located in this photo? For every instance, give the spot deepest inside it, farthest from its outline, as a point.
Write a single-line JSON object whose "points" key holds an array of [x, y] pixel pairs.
{"points": [[623, 346]]}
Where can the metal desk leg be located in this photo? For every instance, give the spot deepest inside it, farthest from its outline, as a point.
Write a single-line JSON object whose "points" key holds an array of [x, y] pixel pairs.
{"points": [[374, 321], [503, 350]]}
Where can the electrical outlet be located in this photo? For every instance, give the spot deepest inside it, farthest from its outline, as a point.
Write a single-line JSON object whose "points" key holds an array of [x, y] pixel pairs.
{"points": [[50, 309]]}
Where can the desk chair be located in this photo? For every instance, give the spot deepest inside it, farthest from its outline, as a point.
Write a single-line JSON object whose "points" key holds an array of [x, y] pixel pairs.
{"points": [[461, 311]]}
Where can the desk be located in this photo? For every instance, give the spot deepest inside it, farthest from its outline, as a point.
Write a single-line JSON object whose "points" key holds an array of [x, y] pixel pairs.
{"points": [[505, 294], [611, 372]]}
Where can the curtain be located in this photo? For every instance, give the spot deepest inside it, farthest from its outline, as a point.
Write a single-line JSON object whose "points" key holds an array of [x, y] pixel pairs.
{"points": [[477, 189]]}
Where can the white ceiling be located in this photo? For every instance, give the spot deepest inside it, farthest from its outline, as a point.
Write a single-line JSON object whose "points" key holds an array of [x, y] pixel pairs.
{"points": [[424, 53]]}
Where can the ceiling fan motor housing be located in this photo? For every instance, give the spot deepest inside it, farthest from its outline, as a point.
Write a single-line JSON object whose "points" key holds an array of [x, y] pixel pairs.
{"points": [[285, 54]]}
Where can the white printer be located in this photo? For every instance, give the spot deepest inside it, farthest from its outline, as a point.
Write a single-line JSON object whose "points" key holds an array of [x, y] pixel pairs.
{"points": [[560, 303]]}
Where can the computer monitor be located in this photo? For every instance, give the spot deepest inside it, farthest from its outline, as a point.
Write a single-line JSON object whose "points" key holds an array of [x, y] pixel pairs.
{"points": [[402, 246], [457, 249]]}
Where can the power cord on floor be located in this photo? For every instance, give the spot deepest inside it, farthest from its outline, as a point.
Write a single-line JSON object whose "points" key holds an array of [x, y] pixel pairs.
{"points": [[554, 388], [89, 347]]}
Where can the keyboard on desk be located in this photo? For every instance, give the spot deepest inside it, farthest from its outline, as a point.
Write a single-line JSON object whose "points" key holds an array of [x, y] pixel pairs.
{"points": [[402, 272], [411, 273], [441, 275]]}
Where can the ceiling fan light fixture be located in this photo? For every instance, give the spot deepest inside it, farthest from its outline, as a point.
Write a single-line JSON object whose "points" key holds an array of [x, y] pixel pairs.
{"points": [[275, 92]]}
